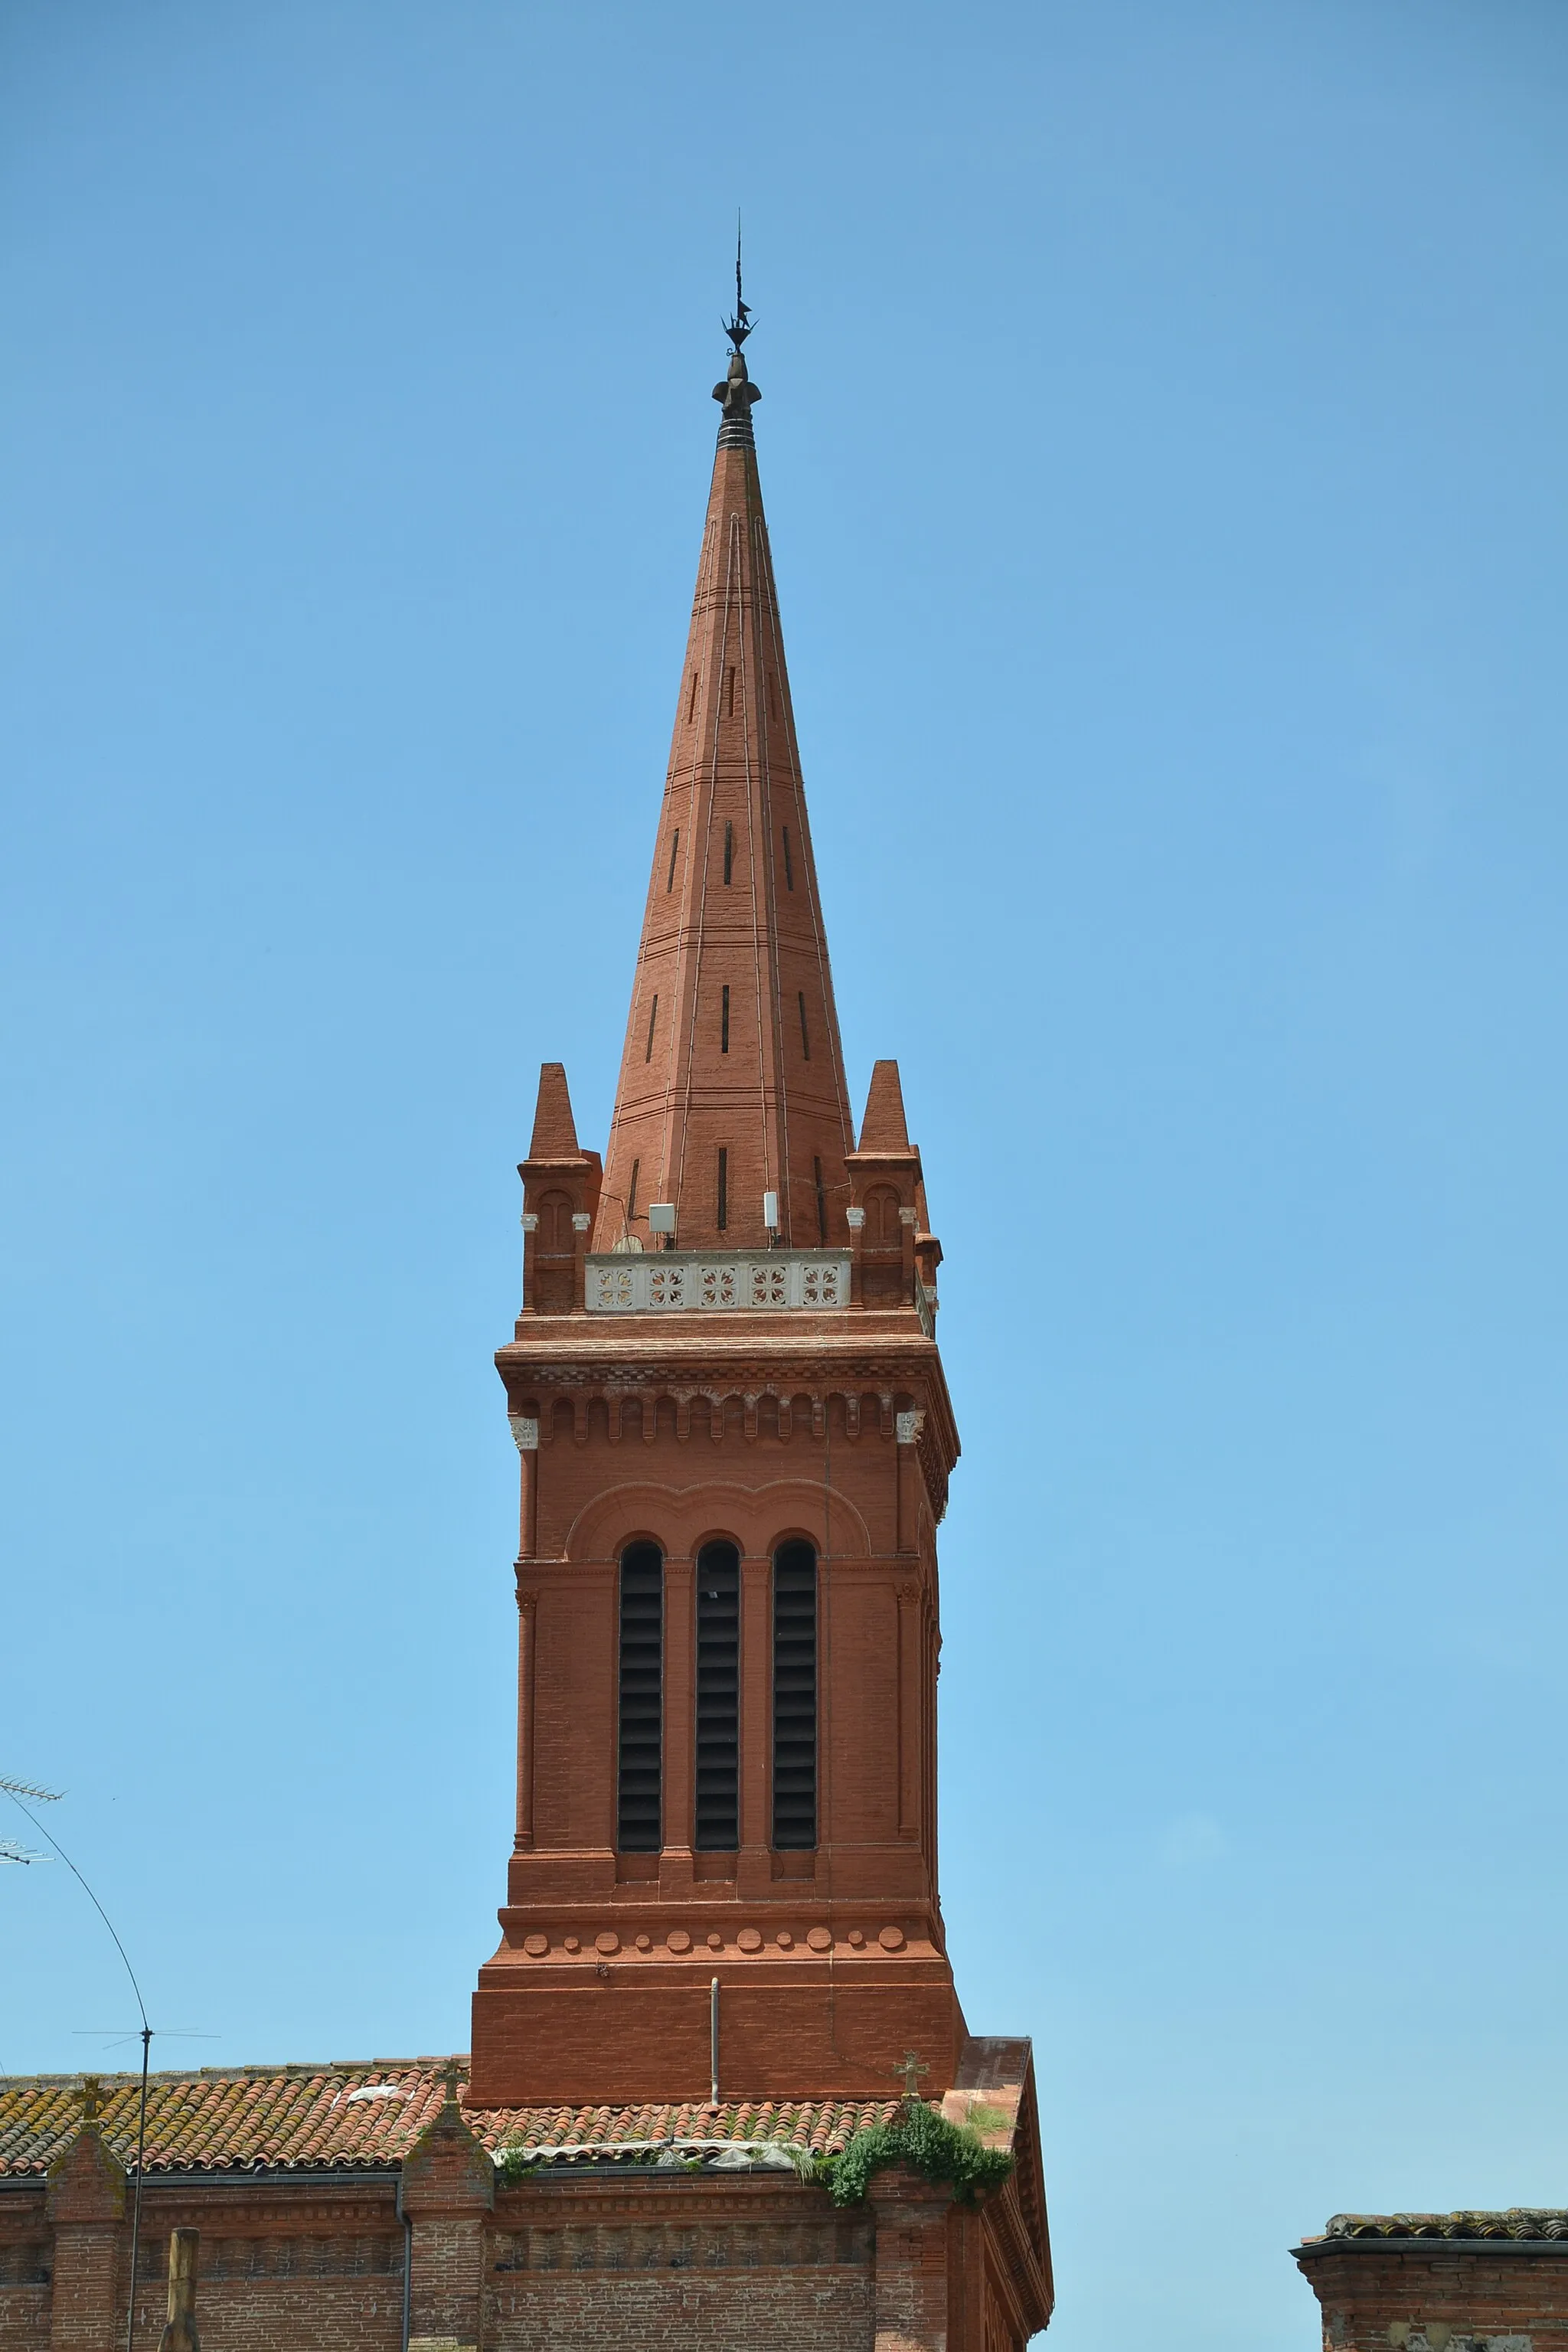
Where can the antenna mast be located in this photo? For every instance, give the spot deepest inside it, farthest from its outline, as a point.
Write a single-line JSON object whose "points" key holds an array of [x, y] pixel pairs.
{"points": [[17, 1789], [740, 325]]}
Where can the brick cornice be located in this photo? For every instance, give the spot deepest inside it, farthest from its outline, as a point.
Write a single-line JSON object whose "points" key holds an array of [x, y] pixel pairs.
{"points": [[695, 1337], [703, 1363], [1029, 2279], [1433, 2248]]}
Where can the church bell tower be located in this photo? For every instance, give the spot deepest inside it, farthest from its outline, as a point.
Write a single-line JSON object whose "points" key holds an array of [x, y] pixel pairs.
{"points": [[735, 1441]]}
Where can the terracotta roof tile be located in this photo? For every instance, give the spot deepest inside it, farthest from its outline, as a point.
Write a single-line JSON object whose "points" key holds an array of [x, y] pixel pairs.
{"points": [[1519, 2221], [363, 2116]]}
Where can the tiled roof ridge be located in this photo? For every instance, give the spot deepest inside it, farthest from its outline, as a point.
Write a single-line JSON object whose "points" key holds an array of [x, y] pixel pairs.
{"points": [[290, 2069], [1513, 2222]]}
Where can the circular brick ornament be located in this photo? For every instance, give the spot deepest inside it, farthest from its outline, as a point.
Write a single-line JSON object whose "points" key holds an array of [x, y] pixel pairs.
{"points": [[857, 1937], [749, 1941], [784, 1941], [536, 1946], [715, 1942], [644, 1943], [610, 1942], [679, 1941], [820, 1938], [891, 1939], [572, 1943]]}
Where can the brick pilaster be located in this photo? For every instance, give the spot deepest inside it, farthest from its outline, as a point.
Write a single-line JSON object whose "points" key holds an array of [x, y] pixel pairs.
{"points": [[86, 2206], [911, 2219], [448, 2192]]}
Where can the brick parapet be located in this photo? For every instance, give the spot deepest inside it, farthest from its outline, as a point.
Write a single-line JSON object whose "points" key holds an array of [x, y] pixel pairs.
{"points": [[1439, 2295]]}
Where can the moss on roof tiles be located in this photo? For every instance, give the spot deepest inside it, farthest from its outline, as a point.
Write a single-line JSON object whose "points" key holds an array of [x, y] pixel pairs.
{"points": [[234, 2119], [1520, 2221]]}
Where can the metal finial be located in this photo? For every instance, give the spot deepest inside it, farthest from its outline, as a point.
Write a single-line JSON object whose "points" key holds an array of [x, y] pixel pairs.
{"points": [[739, 326]]}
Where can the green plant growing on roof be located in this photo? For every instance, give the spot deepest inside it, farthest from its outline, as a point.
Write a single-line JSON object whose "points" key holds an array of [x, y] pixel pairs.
{"points": [[921, 2138]]}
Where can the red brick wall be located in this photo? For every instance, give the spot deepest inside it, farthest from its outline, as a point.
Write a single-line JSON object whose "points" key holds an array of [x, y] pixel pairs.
{"points": [[591, 2264], [27, 2261], [823, 2308], [1421, 2289], [851, 1968], [312, 2314], [23, 2317], [334, 2292]]}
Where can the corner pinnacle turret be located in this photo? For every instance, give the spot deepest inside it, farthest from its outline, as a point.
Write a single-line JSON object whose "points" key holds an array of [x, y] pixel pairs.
{"points": [[732, 1090]]}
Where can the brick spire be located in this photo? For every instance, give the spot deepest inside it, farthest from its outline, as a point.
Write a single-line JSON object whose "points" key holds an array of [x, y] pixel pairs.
{"points": [[731, 1081]]}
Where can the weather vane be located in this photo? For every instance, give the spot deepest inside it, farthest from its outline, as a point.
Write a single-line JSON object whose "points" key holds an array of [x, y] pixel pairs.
{"points": [[739, 326]]}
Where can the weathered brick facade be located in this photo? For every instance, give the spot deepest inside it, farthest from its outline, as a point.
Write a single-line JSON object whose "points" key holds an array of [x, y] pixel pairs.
{"points": [[589, 2253], [771, 1385], [1442, 2283], [722, 1937]]}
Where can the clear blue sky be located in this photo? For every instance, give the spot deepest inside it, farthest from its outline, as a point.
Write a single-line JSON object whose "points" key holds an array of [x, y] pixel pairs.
{"points": [[1163, 444]]}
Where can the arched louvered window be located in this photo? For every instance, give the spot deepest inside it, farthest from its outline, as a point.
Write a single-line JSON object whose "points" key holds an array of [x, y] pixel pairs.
{"points": [[639, 1816], [795, 1697], [718, 1810]]}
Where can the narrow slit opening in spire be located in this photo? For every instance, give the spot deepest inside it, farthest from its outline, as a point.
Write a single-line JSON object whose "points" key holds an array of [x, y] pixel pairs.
{"points": [[805, 1032], [632, 1190], [652, 1025], [724, 1020], [729, 694], [691, 704], [723, 1216], [789, 862], [729, 850], [674, 853]]}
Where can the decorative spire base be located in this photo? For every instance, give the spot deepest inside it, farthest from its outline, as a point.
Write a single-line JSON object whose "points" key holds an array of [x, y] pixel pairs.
{"points": [[739, 395]]}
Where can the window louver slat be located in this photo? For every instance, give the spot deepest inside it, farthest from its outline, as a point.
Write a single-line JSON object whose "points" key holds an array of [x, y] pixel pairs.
{"points": [[717, 1809], [639, 1810], [795, 1698]]}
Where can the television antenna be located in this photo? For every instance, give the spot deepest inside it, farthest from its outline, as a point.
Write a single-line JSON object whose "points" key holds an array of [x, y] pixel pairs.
{"points": [[18, 1790]]}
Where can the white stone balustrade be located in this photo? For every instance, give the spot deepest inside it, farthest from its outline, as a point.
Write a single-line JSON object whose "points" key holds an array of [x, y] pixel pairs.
{"points": [[717, 1282]]}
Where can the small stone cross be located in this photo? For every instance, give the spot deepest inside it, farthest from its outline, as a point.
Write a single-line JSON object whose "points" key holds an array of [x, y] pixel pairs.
{"points": [[909, 2067], [93, 2101], [451, 2075]]}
